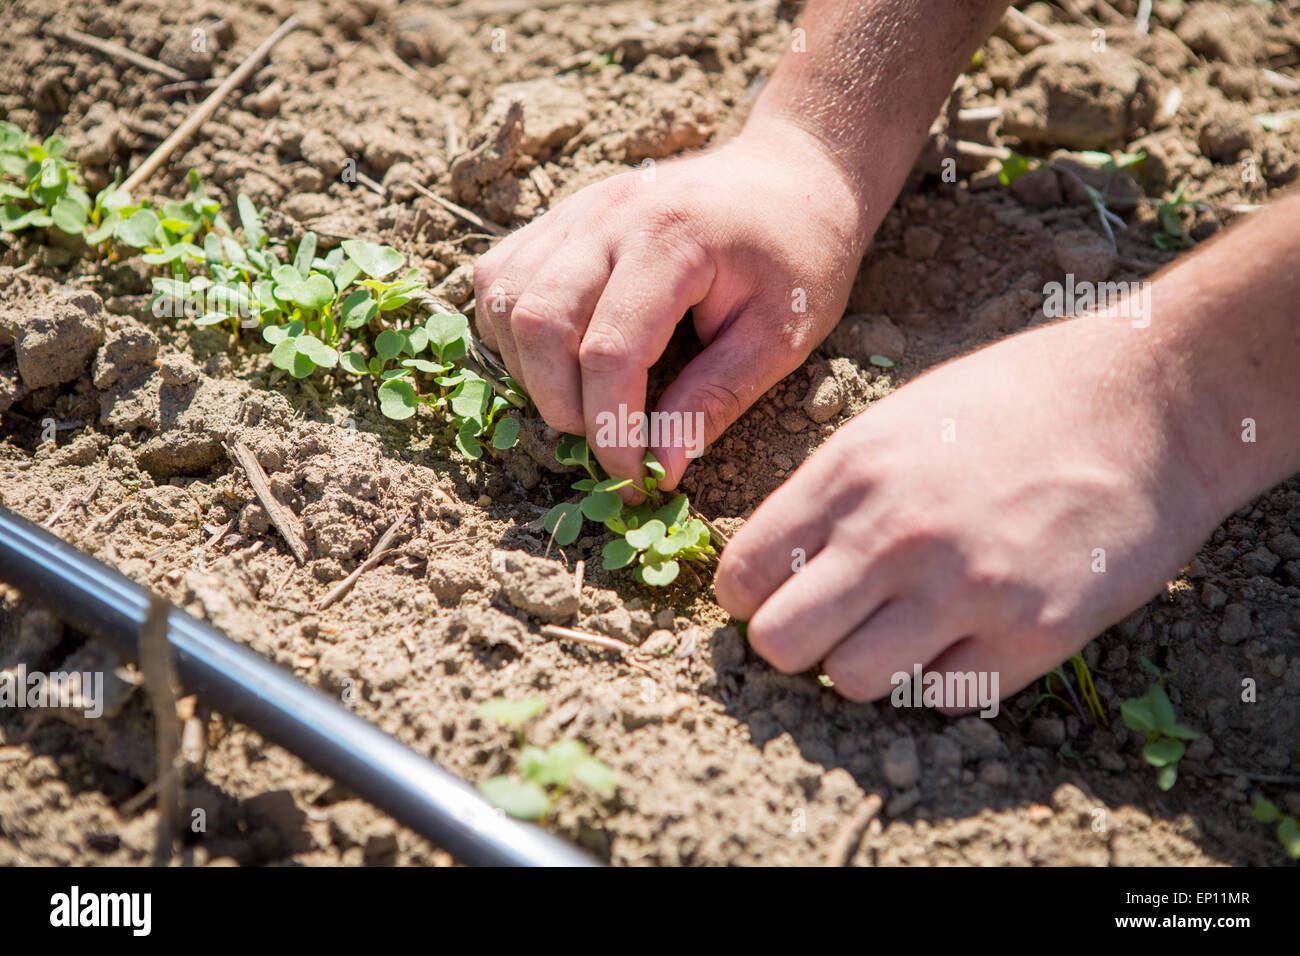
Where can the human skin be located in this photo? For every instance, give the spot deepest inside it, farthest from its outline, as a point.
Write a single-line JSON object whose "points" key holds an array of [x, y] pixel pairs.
{"points": [[583, 301], [976, 553], [980, 553]]}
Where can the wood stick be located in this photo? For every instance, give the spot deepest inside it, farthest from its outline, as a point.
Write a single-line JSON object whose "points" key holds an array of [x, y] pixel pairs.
{"points": [[1143, 25], [377, 553], [160, 682], [188, 86], [585, 637], [116, 50], [846, 841], [209, 106], [1033, 26], [451, 137], [280, 516], [473, 218]]}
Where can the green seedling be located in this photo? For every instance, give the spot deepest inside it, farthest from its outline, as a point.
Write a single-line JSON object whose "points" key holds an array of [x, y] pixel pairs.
{"points": [[1154, 715], [1016, 165], [655, 536], [1173, 215], [1089, 709], [543, 774], [1288, 829], [39, 188]]}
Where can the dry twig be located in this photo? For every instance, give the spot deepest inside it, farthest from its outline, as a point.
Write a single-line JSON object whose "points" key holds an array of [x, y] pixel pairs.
{"points": [[280, 516], [117, 51], [209, 106]]}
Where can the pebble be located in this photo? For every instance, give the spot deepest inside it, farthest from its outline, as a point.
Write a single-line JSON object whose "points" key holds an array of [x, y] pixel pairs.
{"points": [[1047, 732], [994, 774], [900, 764], [1235, 627], [825, 398], [980, 734]]}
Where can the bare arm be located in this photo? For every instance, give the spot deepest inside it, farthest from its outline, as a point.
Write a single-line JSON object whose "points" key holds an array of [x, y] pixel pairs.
{"points": [[582, 302]]}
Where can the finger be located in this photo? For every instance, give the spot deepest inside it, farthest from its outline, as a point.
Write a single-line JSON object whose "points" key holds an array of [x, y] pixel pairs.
{"points": [[548, 321], [992, 667], [787, 531], [815, 609], [903, 633], [716, 388], [647, 294], [500, 276]]}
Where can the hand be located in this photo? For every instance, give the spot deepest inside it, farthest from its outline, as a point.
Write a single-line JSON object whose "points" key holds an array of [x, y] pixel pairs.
{"points": [[759, 238], [994, 515]]}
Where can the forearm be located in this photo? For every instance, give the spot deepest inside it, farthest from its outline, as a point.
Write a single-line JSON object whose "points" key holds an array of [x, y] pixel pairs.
{"points": [[1226, 319], [866, 78]]}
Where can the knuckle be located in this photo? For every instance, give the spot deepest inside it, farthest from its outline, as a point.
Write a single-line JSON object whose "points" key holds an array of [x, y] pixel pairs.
{"points": [[619, 191], [769, 643], [719, 405], [533, 316], [848, 679], [737, 583], [560, 416], [604, 349]]}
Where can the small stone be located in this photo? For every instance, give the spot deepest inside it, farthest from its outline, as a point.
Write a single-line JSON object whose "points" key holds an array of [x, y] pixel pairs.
{"points": [[1285, 546], [1213, 596], [1260, 561], [664, 619], [825, 398], [1085, 255], [994, 774], [537, 586], [1200, 749], [54, 338], [1226, 131], [1111, 761], [1235, 626], [321, 150], [921, 242], [178, 370], [1047, 732], [864, 335], [1038, 188], [125, 353], [458, 286], [979, 734], [902, 802], [304, 206], [660, 643], [900, 764], [792, 421]]}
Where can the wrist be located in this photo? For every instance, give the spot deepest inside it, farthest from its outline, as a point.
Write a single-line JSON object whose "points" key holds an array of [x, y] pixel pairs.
{"points": [[845, 197]]}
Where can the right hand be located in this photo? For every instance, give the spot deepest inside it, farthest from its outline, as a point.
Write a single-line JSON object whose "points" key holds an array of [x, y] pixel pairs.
{"points": [[583, 301]]}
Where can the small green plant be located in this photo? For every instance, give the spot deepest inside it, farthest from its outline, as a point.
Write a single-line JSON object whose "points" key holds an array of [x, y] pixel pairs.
{"points": [[543, 774], [1172, 214], [1015, 165], [320, 312], [1090, 709], [655, 536], [39, 187], [1288, 829], [1154, 715]]}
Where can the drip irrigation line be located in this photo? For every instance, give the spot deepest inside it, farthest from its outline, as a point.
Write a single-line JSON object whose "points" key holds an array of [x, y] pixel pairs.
{"points": [[243, 685]]}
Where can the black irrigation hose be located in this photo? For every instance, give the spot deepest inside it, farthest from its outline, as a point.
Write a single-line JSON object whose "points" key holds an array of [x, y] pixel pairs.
{"points": [[100, 601]]}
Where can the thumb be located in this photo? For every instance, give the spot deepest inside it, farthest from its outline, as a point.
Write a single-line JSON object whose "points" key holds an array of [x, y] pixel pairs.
{"points": [[713, 390]]}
